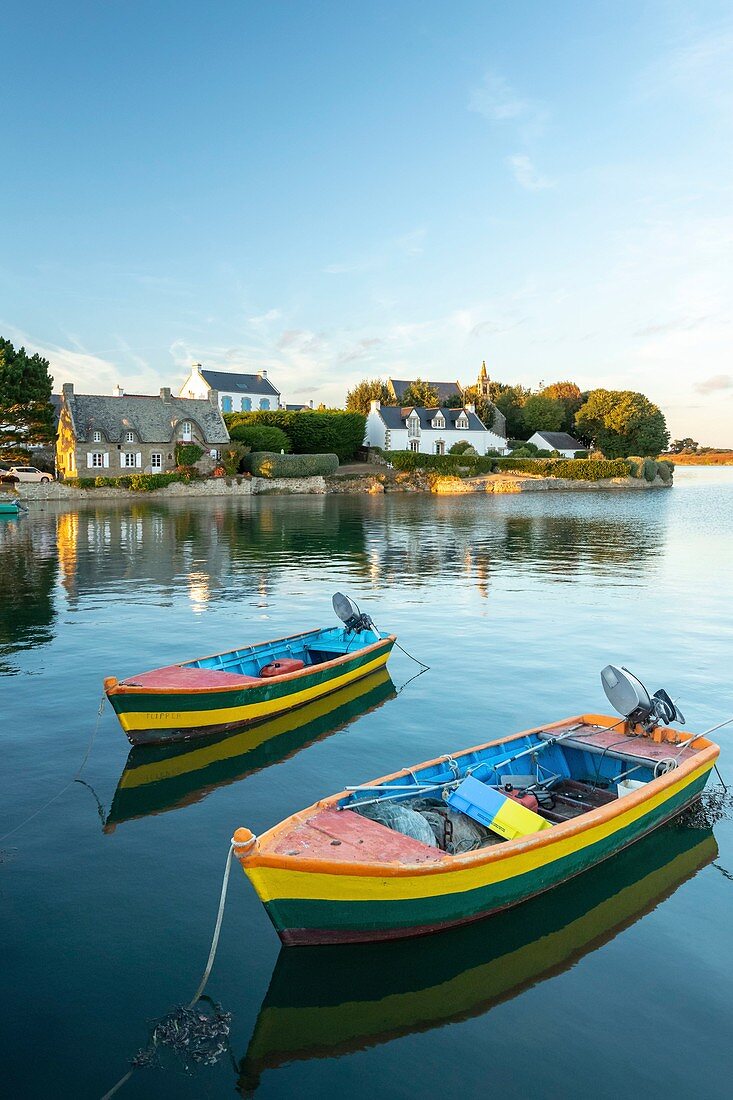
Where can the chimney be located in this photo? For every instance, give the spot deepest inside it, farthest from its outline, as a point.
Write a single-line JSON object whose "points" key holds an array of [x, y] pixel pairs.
{"points": [[263, 373], [214, 398], [117, 391], [375, 405], [470, 408], [67, 390], [196, 367], [310, 403], [165, 393]]}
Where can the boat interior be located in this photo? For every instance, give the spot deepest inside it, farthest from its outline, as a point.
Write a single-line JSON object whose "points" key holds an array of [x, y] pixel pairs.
{"points": [[592, 766], [243, 667], [312, 648]]}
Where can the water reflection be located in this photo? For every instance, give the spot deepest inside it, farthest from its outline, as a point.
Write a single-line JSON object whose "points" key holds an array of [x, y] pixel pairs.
{"points": [[203, 551], [160, 778], [327, 1001]]}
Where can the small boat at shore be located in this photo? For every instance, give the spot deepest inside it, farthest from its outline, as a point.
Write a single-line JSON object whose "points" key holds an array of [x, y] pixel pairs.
{"points": [[11, 507], [471, 833], [239, 688]]}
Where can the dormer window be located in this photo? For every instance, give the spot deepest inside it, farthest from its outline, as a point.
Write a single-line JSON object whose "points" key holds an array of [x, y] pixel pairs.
{"points": [[413, 426], [462, 421], [129, 437], [438, 420], [97, 437]]}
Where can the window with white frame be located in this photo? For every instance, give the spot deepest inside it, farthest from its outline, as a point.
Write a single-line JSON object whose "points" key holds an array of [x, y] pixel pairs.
{"points": [[187, 430], [438, 421], [414, 444], [462, 421], [156, 460], [440, 447], [97, 437], [216, 455], [128, 459], [129, 437], [97, 459], [413, 427]]}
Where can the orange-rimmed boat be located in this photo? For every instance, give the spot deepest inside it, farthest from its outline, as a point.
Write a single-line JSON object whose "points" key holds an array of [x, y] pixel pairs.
{"points": [[337, 873], [228, 691]]}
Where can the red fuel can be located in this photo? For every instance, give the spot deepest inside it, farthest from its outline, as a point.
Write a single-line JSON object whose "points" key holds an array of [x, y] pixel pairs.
{"points": [[281, 667]]}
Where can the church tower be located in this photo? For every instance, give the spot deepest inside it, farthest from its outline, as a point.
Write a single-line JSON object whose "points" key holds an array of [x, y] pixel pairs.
{"points": [[483, 381]]}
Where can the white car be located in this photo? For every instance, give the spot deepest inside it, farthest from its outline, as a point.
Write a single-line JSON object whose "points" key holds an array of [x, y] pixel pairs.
{"points": [[30, 473]]}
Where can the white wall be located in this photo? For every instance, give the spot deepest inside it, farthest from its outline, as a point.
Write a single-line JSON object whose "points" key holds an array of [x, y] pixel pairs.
{"points": [[543, 445], [400, 441], [196, 386]]}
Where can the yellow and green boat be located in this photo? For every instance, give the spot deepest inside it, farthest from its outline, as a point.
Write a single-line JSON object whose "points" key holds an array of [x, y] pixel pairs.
{"points": [[226, 691], [158, 778], [395, 857]]}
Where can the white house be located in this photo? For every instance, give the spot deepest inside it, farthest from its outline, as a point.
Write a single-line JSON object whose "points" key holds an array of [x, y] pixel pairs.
{"points": [[557, 441], [429, 431], [237, 392]]}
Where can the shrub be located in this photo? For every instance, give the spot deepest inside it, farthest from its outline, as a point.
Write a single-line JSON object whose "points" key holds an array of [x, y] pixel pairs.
{"points": [[261, 437], [311, 432], [451, 464], [523, 452], [521, 444], [232, 458], [576, 469], [266, 464], [146, 483], [462, 448], [112, 482], [188, 453], [580, 454], [665, 469], [649, 469], [542, 452]]}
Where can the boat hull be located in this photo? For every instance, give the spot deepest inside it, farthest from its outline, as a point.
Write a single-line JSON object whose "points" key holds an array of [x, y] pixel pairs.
{"points": [[155, 717], [312, 907]]}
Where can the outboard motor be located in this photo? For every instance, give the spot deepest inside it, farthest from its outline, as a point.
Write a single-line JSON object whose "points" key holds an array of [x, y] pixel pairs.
{"points": [[351, 616], [629, 697]]}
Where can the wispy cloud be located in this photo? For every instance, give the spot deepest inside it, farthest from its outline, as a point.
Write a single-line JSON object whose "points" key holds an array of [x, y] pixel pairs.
{"points": [[526, 174], [496, 100], [407, 245], [719, 383]]}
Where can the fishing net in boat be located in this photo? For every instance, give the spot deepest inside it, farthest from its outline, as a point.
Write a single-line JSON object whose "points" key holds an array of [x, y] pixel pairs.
{"points": [[454, 832], [402, 820]]}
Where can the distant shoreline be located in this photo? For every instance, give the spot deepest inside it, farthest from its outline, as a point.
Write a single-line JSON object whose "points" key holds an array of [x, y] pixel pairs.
{"points": [[715, 458]]}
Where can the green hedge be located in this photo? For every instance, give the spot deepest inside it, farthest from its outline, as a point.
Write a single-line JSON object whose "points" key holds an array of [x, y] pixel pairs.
{"points": [[456, 465], [266, 464], [188, 453], [577, 469], [139, 483], [261, 437], [311, 432]]}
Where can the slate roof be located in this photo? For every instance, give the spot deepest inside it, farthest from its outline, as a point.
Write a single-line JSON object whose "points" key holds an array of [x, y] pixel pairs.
{"points": [[228, 382], [561, 441], [395, 417], [444, 390], [151, 418]]}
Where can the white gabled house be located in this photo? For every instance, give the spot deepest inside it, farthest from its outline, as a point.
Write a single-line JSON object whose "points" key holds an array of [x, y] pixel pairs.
{"points": [[557, 441], [237, 392], [429, 431]]}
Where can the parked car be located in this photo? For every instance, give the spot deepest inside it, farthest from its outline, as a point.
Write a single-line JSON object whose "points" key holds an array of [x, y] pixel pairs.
{"points": [[30, 473]]}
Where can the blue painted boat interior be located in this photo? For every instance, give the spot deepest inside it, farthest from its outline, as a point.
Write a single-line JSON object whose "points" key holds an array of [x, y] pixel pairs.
{"points": [[553, 765], [313, 648]]}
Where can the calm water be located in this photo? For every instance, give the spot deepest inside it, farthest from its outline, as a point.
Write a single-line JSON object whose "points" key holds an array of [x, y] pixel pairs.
{"points": [[620, 982]]}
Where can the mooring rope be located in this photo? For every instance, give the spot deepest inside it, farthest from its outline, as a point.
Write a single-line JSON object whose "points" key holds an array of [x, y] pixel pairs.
{"points": [[423, 666], [74, 779]]}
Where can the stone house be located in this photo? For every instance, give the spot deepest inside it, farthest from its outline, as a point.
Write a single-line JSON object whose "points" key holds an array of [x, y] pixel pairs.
{"points": [[126, 433], [236, 392]]}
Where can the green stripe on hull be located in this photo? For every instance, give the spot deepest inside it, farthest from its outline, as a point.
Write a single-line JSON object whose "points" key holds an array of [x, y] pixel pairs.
{"points": [[454, 908], [261, 693]]}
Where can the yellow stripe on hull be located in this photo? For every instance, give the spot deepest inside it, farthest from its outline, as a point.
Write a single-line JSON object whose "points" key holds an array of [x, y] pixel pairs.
{"points": [[250, 712], [272, 883]]}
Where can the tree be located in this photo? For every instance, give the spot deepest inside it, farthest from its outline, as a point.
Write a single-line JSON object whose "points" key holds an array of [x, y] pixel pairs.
{"points": [[622, 423], [510, 400], [26, 415], [683, 446], [569, 395], [420, 394], [485, 409], [543, 413], [369, 389]]}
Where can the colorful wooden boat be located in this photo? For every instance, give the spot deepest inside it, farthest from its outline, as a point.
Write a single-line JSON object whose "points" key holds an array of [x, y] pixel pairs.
{"points": [[10, 507], [244, 686], [329, 1001], [158, 778], [330, 874]]}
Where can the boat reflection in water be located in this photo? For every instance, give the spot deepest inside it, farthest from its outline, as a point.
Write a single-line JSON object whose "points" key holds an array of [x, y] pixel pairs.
{"points": [[325, 1001], [157, 778]]}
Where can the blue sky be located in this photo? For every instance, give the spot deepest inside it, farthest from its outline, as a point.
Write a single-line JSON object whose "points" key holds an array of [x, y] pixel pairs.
{"points": [[341, 190]]}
